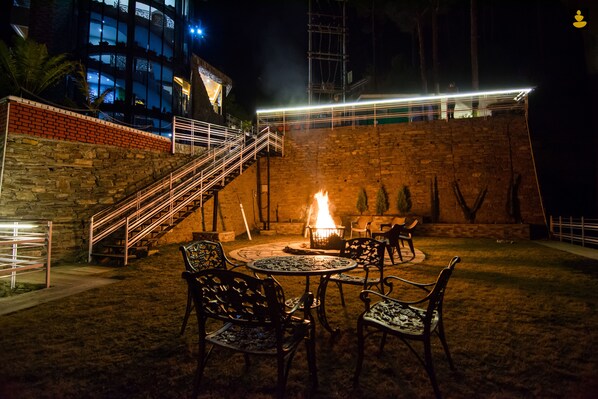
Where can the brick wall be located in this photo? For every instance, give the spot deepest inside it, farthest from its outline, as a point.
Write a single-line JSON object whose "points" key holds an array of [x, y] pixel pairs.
{"points": [[34, 119], [476, 153]]}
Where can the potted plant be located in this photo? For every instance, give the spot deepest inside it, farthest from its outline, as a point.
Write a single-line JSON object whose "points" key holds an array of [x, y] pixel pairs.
{"points": [[404, 201], [362, 201], [381, 201]]}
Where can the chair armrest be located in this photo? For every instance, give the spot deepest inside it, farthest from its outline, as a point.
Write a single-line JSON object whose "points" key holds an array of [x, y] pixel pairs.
{"points": [[305, 301], [365, 297], [390, 280], [232, 265]]}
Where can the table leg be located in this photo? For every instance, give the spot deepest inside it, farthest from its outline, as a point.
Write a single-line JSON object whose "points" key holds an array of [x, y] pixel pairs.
{"points": [[321, 310]]}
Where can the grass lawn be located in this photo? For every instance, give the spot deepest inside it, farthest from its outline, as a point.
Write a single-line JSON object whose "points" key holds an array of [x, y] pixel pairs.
{"points": [[520, 321]]}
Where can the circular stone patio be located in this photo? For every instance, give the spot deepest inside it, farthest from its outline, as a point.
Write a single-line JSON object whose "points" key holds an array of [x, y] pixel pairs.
{"points": [[247, 254]]}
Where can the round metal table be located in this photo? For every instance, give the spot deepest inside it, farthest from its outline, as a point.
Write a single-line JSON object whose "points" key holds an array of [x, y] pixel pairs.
{"points": [[306, 265]]}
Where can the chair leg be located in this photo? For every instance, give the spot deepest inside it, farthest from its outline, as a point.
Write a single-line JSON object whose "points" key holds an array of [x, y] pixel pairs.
{"points": [[360, 351], [442, 337], [340, 290], [201, 363], [310, 344], [389, 250], [382, 342], [187, 313], [398, 248], [410, 242], [429, 365]]}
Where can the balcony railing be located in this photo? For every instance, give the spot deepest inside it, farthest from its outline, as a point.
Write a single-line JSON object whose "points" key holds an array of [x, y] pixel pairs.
{"points": [[395, 110], [580, 231], [25, 246]]}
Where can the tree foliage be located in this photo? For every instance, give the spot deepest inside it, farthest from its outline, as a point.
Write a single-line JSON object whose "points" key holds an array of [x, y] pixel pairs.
{"points": [[382, 201], [26, 68], [362, 201], [404, 200], [92, 101]]}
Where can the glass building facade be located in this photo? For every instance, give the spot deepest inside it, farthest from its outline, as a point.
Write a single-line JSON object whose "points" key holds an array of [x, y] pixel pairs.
{"points": [[138, 51]]}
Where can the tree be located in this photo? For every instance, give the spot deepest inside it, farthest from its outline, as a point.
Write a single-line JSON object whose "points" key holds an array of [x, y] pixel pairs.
{"points": [[381, 201], [362, 201], [27, 68], [409, 16], [404, 200], [92, 102]]}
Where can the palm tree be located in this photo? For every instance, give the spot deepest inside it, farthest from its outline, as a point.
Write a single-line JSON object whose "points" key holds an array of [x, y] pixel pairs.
{"points": [[92, 102], [28, 69]]}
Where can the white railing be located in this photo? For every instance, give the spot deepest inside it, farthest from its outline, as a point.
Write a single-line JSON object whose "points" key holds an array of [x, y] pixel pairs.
{"points": [[394, 110], [157, 204], [201, 135], [25, 246], [581, 230]]}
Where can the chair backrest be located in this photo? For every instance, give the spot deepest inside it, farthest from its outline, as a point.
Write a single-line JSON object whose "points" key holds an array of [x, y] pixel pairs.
{"points": [[365, 251], [361, 222], [408, 229], [236, 298], [203, 254], [393, 234], [436, 295], [397, 220]]}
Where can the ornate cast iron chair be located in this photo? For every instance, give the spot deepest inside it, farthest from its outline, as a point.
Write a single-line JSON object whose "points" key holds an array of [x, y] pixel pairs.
{"points": [[361, 225], [369, 254], [255, 321], [407, 235], [409, 320], [200, 255]]}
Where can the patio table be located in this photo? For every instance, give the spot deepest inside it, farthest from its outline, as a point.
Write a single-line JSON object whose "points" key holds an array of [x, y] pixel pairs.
{"points": [[306, 265]]}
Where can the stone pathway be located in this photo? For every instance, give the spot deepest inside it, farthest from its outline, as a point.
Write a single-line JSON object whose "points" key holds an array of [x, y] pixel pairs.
{"points": [[247, 254]]}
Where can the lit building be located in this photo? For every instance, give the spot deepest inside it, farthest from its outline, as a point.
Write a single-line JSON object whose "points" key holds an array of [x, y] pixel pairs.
{"points": [[141, 51]]}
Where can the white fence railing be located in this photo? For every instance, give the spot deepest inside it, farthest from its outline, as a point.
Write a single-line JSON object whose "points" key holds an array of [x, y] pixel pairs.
{"points": [[25, 246], [198, 135], [581, 231], [164, 198], [395, 110]]}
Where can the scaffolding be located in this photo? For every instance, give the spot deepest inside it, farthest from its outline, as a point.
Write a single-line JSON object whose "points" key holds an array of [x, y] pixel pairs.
{"points": [[327, 51]]}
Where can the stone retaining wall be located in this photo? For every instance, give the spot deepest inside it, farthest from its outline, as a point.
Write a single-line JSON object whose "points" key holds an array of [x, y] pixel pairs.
{"points": [[475, 153]]}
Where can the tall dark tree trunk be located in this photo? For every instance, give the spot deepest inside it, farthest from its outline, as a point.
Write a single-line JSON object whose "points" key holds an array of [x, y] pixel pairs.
{"points": [[475, 79], [374, 72], [422, 55], [435, 57]]}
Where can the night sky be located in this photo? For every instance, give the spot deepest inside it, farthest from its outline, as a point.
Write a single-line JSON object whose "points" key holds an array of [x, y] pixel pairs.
{"points": [[262, 46]]}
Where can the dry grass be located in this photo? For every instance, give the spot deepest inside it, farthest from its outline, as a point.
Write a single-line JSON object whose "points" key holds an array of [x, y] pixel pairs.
{"points": [[521, 323]]}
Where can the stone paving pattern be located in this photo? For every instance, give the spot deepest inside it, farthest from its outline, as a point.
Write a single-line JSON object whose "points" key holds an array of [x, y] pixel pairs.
{"points": [[247, 254]]}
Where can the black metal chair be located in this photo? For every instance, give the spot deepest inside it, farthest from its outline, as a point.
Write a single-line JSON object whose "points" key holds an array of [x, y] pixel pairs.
{"points": [[391, 238], [407, 235], [255, 321], [369, 255], [408, 320], [201, 255]]}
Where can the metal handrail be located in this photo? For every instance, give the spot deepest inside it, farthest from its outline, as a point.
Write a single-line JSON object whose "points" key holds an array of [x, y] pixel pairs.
{"points": [[574, 230], [395, 110], [25, 246], [161, 196], [199, 134]]}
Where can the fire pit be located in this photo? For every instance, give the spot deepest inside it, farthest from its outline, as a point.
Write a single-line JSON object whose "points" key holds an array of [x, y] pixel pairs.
{"points": [[325, 234], [326, 237]]}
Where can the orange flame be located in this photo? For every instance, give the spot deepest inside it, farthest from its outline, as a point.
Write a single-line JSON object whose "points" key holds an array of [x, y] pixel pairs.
{"points": [[324, 219]]}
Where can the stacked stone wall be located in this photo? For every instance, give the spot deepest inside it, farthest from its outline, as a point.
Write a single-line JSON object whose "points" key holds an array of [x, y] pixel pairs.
{"points": [[476, 153]]}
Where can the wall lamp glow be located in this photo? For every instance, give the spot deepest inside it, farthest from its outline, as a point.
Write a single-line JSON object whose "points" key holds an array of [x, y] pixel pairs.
{"points": [[518, 95]]}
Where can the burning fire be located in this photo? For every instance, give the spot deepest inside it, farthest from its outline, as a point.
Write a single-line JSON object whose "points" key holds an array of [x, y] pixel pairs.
{"points": [[324, 219]]}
